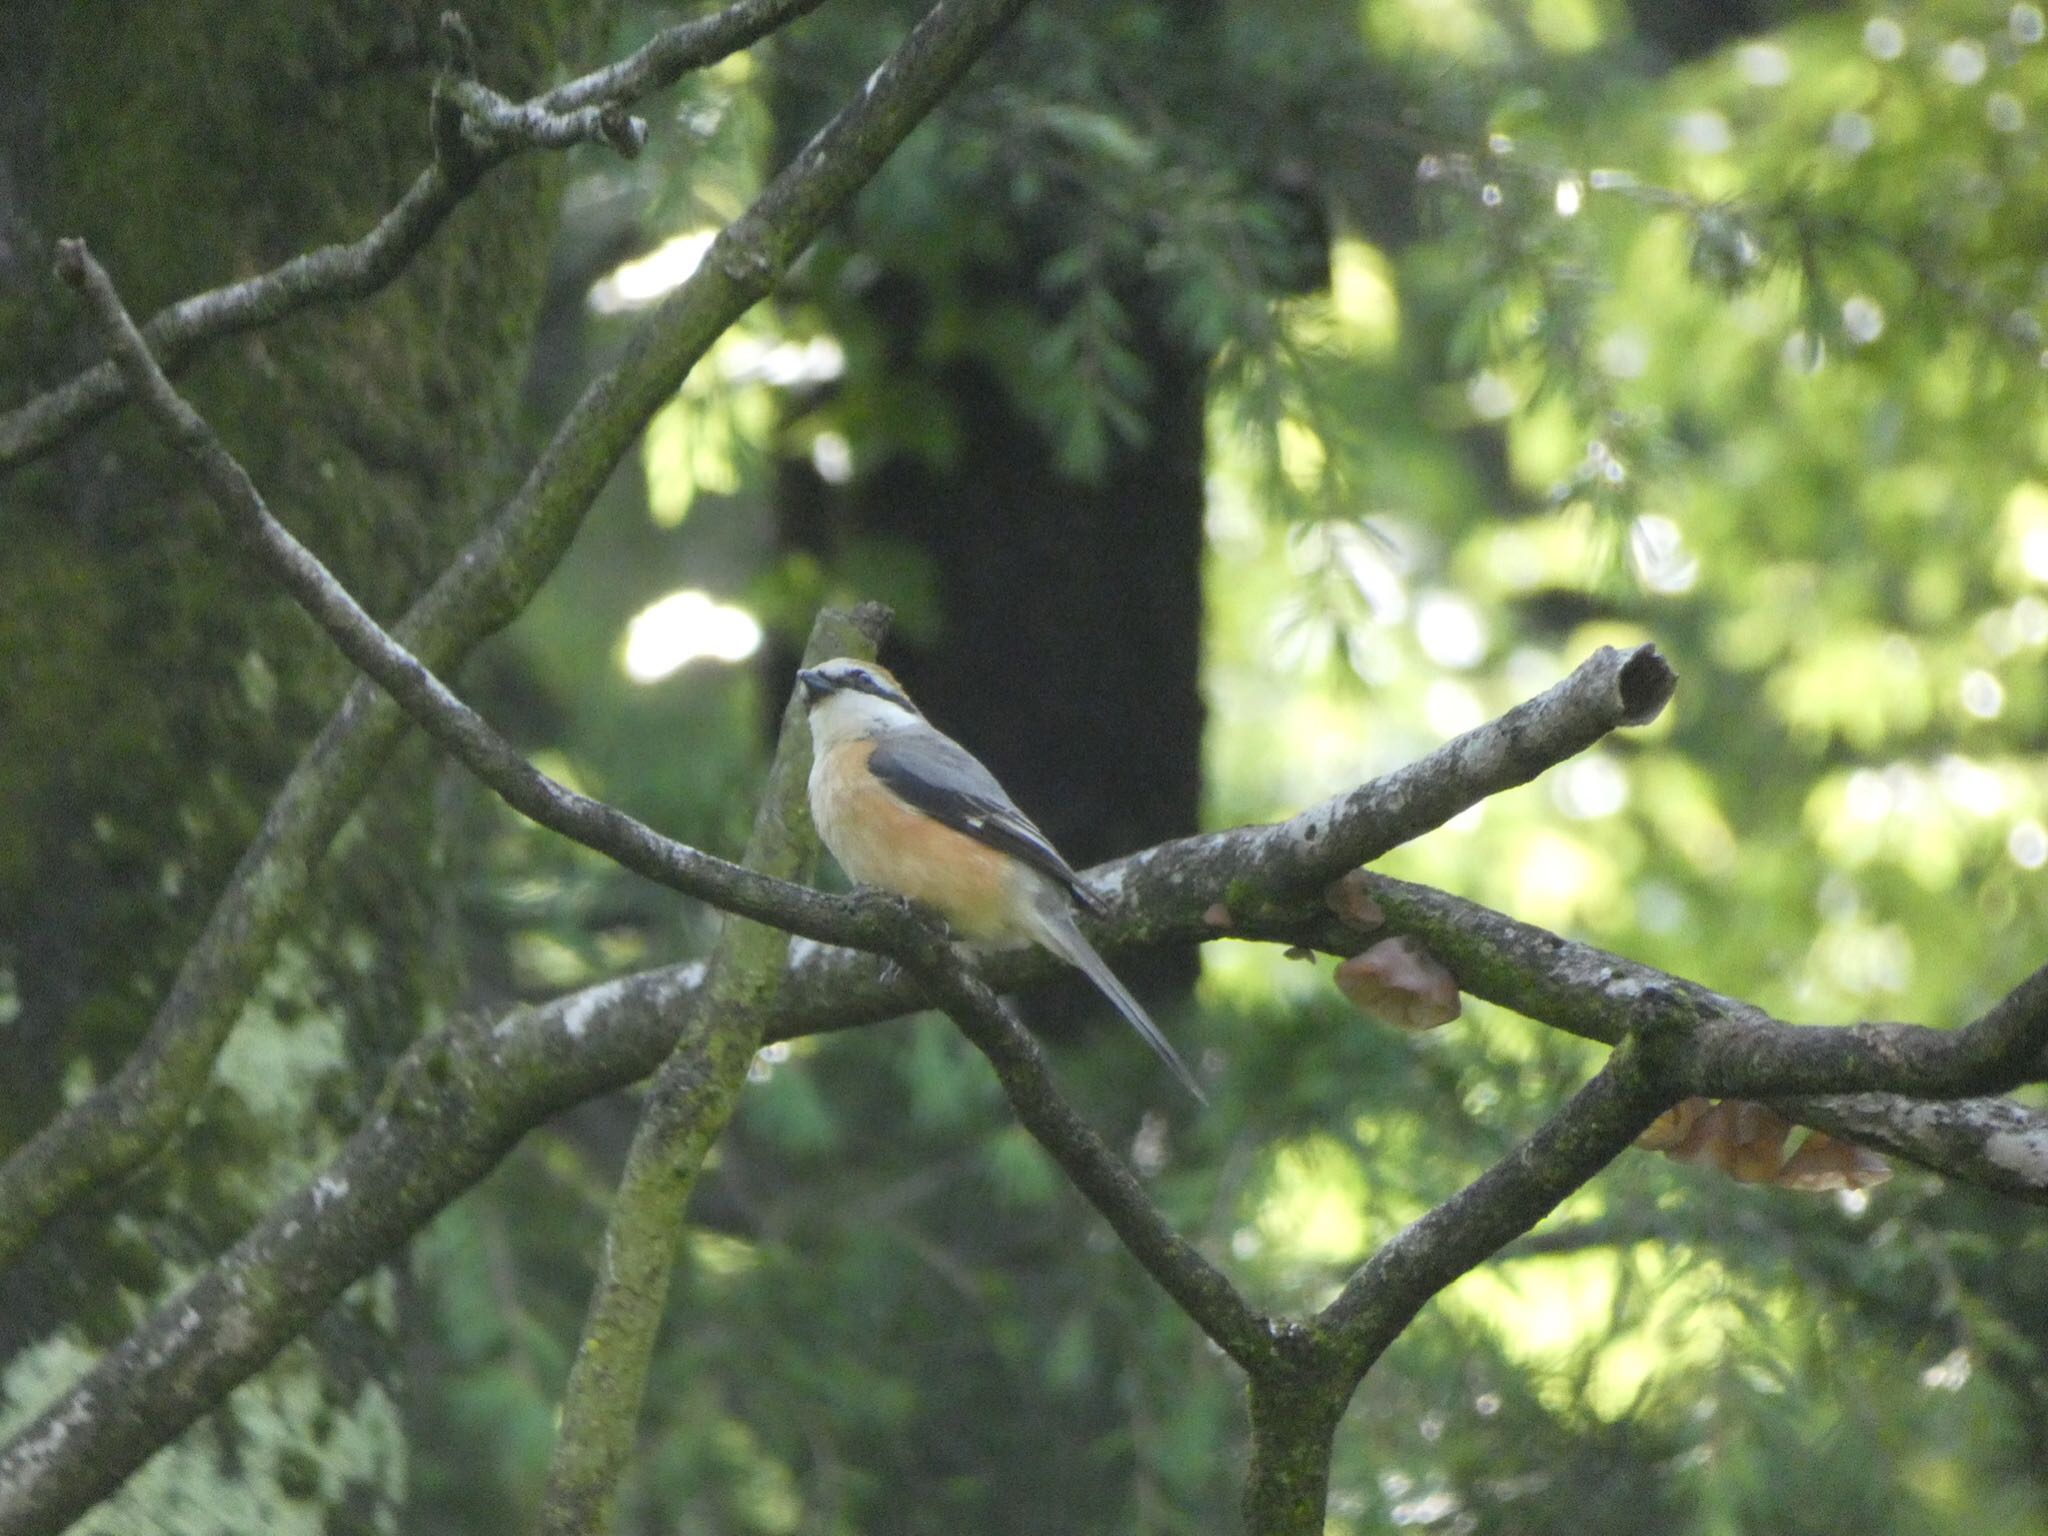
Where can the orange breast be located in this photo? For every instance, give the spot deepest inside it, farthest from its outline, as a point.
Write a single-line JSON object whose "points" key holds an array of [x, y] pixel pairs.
{"points": [[880, 841]]}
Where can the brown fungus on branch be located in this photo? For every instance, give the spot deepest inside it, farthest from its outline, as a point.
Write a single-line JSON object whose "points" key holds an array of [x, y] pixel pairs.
{"points": [[1823, 1164], [1350, 897], [1400, 983], [1746, 1141]]}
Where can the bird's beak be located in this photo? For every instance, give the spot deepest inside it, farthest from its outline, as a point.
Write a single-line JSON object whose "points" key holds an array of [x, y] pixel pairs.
{"points": [[815, 686]]}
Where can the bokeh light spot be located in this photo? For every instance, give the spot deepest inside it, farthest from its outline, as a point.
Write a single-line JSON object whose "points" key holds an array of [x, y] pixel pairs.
{"points": [[684, 627]]}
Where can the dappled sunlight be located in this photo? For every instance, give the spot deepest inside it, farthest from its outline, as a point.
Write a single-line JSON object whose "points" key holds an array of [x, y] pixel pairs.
{"points": [[1312, 1208], [1559, 1316], [2023, 552], [1863, 687], [1238, 977], [643, 280], [1363, 298], [703, 442], [1925, 819], [683, 627], [1560, 881]]}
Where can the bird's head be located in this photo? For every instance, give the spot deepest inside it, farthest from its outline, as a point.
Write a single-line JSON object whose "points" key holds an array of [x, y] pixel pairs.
{"points": [[854, 698]]}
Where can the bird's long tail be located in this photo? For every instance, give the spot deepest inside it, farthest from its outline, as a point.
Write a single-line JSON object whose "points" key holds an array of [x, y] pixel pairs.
{"points": [[1056, 931]]}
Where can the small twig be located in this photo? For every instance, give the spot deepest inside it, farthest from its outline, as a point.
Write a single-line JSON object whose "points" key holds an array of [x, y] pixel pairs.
{"points": [[494, 123]]}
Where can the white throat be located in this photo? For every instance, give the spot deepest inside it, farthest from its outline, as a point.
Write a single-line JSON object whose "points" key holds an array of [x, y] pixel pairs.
{"points": [[849, 715]]}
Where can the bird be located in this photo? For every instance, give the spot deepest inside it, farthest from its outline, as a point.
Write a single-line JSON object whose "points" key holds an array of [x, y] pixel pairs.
{"points": [[907, 809]]}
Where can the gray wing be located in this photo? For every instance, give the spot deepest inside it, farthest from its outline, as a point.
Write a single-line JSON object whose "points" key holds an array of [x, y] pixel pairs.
{"points": [[943, 779]]}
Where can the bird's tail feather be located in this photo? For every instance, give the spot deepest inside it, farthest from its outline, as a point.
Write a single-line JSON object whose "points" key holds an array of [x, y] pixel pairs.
{"points": [[1058, 934]]}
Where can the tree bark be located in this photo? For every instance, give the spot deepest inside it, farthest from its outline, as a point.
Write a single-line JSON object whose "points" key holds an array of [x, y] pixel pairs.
{"points": [[1288, 1482], [158, 687]]}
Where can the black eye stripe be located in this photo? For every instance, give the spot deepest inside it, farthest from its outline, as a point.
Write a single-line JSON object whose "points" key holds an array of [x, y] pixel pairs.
{"points": [[862, 682], [874, 685]]}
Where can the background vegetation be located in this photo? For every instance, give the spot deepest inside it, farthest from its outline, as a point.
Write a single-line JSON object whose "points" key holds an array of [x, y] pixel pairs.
{"points": [[1516, 329], [1735, 350]]}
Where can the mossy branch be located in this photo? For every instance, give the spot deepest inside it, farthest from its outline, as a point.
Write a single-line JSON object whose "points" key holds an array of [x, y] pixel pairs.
{"points": [[686, 1109]]}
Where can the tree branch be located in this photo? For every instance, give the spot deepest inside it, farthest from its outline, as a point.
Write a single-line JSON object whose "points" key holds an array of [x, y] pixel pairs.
{"points": [[128, 1118], [1728, 1049], [686, 1110], [494, 125], [592, 107], [1203, 1291], [1272, 867]]}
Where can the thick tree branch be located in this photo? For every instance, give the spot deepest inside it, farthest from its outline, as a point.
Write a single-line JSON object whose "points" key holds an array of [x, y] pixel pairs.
{"points": [[492, 130], [1294, 1420], [1727, 1049], [455, 1104], [685, 1111], [127, 1119], [1257, 870]]}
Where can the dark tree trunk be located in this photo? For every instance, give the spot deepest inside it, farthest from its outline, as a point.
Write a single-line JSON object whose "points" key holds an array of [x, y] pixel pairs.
{"points": [[1066, 647], [1069, 612]]}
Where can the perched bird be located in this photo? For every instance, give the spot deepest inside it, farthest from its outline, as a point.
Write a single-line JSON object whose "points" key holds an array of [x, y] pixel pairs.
{"points": [[909, 810]]}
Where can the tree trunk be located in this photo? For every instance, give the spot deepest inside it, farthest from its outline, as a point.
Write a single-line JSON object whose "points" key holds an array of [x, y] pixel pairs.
{"points": [[1287, 1485], [1068, 644], [157, 688], [1065, 645]]}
